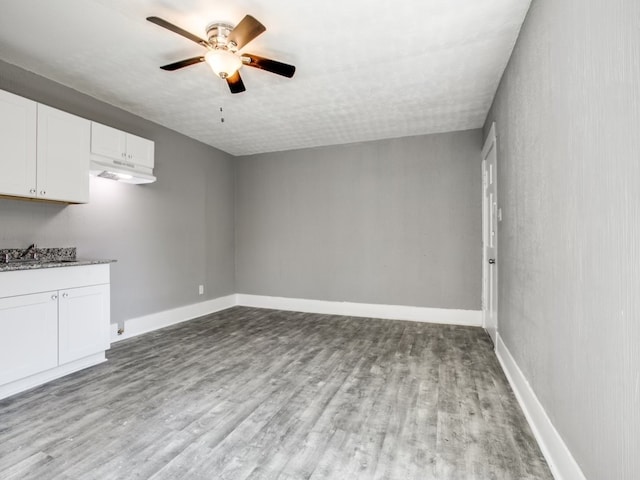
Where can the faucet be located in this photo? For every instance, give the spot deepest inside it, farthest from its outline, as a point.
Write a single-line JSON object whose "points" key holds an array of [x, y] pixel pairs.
{"points": [[30, 249]]}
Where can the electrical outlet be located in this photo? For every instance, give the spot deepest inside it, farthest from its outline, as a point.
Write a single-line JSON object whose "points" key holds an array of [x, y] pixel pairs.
{"points": [[201, 290]]}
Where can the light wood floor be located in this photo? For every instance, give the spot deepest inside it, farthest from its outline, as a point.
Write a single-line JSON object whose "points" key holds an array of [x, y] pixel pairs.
{"points": [[263, 394]]}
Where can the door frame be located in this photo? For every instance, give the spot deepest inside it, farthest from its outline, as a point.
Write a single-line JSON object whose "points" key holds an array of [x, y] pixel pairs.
{"points": [[489, 144]]}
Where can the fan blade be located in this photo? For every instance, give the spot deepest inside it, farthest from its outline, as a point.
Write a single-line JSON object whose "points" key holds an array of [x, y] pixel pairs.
{"points": [[269, 65], [236, 85], [182, 63], [170, 26], [248, 29]]}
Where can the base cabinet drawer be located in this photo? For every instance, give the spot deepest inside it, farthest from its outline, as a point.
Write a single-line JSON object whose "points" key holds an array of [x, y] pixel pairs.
{"points": [[28, 335]]}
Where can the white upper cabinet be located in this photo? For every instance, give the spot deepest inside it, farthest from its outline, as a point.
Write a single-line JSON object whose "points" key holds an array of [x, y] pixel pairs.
{"points": [[121, 147], [108, 142], [44, 152], [140, 150], [63, 156], [17, 145]]}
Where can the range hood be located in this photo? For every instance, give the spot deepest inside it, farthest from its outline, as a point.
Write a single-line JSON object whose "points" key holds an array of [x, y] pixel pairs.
{"points": [[121, 156], [120, 171]]}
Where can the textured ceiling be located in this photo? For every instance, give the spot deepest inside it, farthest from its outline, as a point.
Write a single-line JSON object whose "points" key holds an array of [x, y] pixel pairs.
{"points": [[366, 69]]}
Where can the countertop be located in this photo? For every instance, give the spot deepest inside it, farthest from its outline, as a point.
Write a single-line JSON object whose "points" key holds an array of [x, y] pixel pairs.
{"points": [[38, 258], [8, 267]]}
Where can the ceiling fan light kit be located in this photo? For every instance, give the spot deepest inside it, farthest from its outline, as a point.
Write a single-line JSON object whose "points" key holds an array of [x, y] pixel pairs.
{"points": [[223, 42], [223, 62]]}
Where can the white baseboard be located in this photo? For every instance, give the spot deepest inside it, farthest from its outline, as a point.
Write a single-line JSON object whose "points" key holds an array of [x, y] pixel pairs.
{"points": [[113, 332], [561, 462], [373, 310], [137, 326]]}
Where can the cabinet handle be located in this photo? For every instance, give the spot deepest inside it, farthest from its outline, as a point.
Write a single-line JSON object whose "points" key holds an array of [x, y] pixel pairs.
{"points": [[65, 295], [43, 192], [54, 297], [32, 191]]}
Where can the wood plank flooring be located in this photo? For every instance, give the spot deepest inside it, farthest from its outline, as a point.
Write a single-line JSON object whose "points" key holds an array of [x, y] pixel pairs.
{"points": [[263, 394]]}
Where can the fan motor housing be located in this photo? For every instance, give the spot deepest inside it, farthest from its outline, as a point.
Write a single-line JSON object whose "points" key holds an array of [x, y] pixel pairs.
{"points": [[218, 33]]}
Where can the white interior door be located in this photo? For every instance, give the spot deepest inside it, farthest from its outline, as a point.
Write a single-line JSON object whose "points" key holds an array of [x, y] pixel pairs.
{"points": [[490, 236]]}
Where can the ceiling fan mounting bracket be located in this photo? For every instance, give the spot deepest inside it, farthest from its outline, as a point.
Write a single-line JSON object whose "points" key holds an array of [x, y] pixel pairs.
{"points": [[218, 36]]}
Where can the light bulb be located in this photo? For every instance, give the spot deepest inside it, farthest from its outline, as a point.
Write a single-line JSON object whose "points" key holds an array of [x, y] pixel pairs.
{"points": [[223, 63]]}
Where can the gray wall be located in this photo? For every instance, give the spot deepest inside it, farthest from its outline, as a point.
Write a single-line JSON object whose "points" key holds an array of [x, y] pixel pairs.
{"points": [[388, 222], [568, 124], [168, 237]]}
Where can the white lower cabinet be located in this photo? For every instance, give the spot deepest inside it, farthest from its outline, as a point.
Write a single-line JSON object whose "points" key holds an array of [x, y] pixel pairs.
{"points": [[29, 339], [83, 322], [48, 334]]}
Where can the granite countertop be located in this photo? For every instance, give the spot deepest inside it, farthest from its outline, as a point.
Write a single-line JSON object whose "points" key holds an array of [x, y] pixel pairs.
{"points": [[44, 258]]}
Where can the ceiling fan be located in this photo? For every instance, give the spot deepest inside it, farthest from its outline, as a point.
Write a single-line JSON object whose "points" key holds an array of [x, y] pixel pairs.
{"points": [[224, 42]]}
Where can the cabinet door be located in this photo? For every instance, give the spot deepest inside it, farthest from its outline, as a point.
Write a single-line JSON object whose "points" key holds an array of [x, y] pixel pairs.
{"points": [[83, 322], [17, 145], [29, 340], [108, 142], [63, 156], [140, 150]]}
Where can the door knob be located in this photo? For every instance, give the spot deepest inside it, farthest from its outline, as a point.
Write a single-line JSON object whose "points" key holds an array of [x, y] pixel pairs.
{"points": [[492, 261]]}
